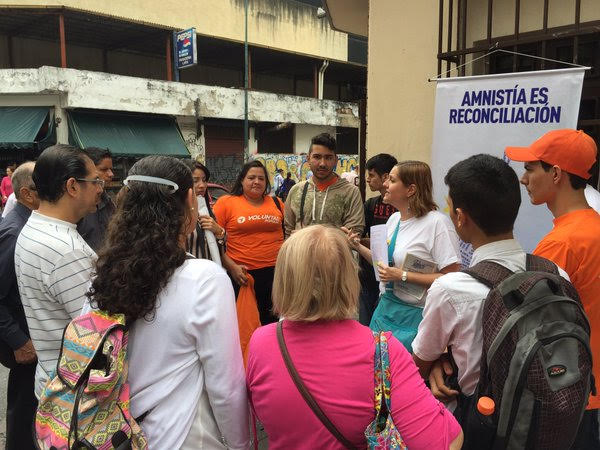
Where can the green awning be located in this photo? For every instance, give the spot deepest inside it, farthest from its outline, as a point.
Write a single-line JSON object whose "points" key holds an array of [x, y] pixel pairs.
{"points": [[19, 125], [127, 134]]}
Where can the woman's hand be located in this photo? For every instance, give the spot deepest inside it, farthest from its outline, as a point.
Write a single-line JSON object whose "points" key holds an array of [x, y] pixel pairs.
{"points": [[353, 238], [239, 274], [387, 274], [208, 223]]}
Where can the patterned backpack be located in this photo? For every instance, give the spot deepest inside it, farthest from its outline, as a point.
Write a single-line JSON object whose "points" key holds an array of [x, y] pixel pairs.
{"points": [[536, 361], [86, 404]]}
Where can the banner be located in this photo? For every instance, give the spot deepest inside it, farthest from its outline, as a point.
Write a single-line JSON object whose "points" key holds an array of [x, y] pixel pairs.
{"points": [[485, 114]]}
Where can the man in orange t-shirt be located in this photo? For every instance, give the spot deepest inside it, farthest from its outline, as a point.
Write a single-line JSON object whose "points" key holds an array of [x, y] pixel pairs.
{"points": [[557, 166]]}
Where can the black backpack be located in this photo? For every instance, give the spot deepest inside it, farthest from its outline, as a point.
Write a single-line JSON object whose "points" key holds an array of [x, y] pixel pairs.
{"points": [[536, 362]]}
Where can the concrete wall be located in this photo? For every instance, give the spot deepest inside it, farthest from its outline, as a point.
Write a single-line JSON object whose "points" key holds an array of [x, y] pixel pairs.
{"points": [[400, 100], [281, 24], [402, 55], [96, 90], [304, 133]]}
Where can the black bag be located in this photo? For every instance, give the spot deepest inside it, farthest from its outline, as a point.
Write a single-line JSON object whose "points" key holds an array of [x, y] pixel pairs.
{"points": [[536, 362]]}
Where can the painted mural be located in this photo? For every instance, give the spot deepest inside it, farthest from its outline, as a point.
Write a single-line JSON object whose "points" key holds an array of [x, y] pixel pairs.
{"points": [[297, 165]]}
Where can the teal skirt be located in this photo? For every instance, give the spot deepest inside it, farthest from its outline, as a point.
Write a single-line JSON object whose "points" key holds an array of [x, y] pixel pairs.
{"points": [[397, 316]]}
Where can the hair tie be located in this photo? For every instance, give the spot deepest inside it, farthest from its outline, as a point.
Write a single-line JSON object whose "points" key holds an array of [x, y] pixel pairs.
{"points": [[148, 179]]}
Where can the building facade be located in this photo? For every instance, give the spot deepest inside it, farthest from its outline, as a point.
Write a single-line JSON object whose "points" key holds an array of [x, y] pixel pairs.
{"points": [[413, 42], [103, 73]]}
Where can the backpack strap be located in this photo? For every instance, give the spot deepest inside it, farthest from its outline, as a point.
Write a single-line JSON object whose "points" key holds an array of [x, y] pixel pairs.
{"points": [[278, 204], [489, 273], [536, 263], [302, 201], [311, 402]]}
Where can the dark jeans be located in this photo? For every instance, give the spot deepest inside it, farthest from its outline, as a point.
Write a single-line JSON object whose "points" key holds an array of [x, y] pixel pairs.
{"points": [[588, 434], [263, 286], [367, 302], [20, 407]]}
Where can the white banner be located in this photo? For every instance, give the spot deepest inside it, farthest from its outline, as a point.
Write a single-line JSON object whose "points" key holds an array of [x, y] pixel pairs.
{"points": [[485, 114]]}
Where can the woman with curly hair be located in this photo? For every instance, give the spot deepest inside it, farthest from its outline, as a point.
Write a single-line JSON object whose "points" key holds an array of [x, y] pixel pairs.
{"points": [[185, 363]]}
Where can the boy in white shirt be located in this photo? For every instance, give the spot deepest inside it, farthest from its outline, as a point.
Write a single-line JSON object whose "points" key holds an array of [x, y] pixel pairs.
{"points": [[454, 308]]}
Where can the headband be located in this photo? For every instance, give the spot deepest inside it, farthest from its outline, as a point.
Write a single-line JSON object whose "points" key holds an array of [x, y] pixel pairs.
{"points": [[148, 179]]}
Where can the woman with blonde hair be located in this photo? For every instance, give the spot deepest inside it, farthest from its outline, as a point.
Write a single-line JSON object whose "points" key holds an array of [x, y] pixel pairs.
{"points": [[422, 246], [316, 290]]}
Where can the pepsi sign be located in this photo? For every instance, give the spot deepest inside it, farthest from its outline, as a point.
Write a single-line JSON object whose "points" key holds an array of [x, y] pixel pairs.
{"points": [[185, 45]]}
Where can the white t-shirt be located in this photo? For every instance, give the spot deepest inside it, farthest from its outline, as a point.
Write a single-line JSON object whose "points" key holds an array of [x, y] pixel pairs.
{"points": [[11, 201], [591, 195], [188, 352], [53, 265], [452, 315], [431, 237]]}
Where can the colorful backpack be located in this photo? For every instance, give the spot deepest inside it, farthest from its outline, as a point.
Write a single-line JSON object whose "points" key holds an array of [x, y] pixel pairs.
{"points": [[86, 404]]}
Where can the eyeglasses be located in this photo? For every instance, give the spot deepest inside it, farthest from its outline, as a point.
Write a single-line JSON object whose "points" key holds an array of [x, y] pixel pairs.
{"points": [[96, 181]]}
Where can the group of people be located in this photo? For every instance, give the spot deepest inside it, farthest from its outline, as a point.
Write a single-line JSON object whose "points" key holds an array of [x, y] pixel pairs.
{"points": [[173, 266]]}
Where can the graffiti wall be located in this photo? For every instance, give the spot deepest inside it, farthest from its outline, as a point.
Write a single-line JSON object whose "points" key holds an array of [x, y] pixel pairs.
{"points": [[224, 169], [297, 165]]}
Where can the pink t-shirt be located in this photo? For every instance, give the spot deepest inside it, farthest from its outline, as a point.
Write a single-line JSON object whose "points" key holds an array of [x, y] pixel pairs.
{"points": [[335, 361]]}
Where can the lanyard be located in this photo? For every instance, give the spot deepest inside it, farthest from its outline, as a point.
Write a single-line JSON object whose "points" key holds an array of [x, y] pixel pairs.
{"points": [[391, 247]]}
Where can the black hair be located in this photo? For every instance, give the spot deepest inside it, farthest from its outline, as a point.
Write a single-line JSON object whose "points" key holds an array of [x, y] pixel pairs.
{"points": [[324, 139], [142, 248], [237, 186], [194, 165], [576, 181], [289, 175], [486, 188], [97, 154], [381, 164], [54, 167]]}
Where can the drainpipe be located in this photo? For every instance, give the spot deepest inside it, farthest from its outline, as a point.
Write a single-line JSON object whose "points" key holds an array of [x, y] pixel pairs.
{"points": [[322, 77]]}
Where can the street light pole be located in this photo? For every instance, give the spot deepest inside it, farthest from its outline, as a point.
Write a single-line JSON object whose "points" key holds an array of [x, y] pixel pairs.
{"points": [[246, 147]]}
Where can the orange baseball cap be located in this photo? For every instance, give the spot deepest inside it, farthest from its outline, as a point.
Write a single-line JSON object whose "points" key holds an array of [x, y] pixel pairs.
{"points": [[571, 150]]}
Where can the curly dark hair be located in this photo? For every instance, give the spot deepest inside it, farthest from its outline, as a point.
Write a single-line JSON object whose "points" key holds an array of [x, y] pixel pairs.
{"points": [[142, 248]]}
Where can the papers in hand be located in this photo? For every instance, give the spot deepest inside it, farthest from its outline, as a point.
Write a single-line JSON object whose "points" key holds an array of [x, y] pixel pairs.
{"points": [[413, 263], [379, 247]]}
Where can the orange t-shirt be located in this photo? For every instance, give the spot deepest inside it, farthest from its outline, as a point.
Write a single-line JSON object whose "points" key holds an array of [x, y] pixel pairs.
{"points": [[254, 233], [574, 245]]}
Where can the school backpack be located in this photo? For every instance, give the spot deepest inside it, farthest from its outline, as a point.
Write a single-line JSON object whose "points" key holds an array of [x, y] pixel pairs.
{"points": [[536, 363], [86, 404]]}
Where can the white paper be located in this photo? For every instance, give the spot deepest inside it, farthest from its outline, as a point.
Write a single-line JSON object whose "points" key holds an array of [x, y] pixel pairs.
{"points": [[413, 263], [379, 246], [210, 237]]}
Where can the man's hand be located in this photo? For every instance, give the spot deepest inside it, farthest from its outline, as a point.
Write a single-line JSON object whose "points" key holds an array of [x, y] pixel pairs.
{"points": [[439, 370], [25, 354]]}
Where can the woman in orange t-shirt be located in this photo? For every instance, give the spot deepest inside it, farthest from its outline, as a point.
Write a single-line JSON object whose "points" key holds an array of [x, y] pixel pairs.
{"points": [[253, 224]]}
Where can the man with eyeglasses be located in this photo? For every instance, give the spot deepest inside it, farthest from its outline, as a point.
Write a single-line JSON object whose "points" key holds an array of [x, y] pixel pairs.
{"points": [[93, 226], [53, 263], [16, 350]]}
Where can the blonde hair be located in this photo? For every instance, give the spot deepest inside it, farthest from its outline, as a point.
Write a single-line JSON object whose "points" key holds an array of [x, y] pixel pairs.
{"points": [[419, 174], [316, 276]]}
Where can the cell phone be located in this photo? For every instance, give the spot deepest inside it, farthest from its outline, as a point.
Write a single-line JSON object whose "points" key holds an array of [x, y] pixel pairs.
{"points": [[451, 381]]}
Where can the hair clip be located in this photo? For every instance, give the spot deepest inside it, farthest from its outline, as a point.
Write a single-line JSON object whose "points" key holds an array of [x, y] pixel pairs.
{"points": [[148, 179]]}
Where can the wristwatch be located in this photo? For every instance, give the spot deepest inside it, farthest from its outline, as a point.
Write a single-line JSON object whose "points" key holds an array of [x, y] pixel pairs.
{"points": [[404, 275]]}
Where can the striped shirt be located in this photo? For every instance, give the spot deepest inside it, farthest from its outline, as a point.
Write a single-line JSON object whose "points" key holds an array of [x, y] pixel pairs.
{"points": [[53, 265]]}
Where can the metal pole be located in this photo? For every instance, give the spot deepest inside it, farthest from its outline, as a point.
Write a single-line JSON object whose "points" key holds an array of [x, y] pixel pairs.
{"points": [[175, 67], [63, 45], [169, 59], [246, 152]]}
